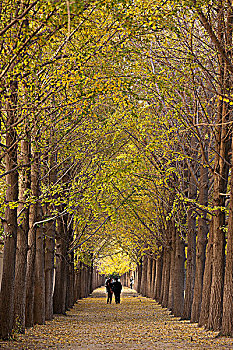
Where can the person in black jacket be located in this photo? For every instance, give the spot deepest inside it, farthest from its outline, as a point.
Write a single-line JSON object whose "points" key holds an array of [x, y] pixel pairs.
{"points": [[109, 289], [117, 287], [131, 282]]}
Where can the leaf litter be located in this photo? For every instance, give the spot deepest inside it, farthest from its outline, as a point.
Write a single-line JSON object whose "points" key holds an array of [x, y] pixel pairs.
{"points": [[136, 323]]}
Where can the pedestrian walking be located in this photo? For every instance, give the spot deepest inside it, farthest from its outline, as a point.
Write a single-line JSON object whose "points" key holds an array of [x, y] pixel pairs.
{"points": [[117, 287], [131, 282], [109, 289]]}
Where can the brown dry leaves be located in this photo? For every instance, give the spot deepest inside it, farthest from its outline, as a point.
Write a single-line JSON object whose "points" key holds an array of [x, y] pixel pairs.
{"points": [[136, 323]]}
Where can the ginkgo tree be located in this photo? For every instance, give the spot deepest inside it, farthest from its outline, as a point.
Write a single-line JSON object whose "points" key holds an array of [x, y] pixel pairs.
{"points": [[115, 144]]}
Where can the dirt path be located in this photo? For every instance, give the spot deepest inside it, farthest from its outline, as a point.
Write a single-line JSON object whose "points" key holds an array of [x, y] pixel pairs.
{"points": [[136, 323]]}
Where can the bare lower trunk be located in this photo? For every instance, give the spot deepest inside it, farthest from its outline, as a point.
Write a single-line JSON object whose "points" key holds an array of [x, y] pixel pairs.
{"points": [[164, 257], [49, 269], [59, 299], [191, 240], [78, 284], [10, 222], [179, 277], [149, 276], [139, 275], [70, 285], [22, 241], [30, 278], [50, 233], [216, 295], [70, 291], [166, 277], [227, 322], [39, 296], [172, 269], [153, 272], [191, 265], [201, 246], [158, 277], [83, 280], [135, 286], [144, 276], [91, 277], [207, 280]]}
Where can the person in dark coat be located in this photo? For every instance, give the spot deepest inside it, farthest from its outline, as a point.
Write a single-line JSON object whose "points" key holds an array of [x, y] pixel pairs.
{"points": [[117, 287], [109, 289], [131, 282]]}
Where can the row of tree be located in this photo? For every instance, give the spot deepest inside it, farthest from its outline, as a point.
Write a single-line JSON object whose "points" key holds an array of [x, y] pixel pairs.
{"points": [[46, 154], [189, 162], [116, 132]]}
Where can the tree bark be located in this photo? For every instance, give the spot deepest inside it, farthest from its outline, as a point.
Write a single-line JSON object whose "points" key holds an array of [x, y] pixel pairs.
{"points": [[39, 294], [227, 322], [76, 283], [207, 281], [144, 276], [139, 275], [172, 268], [166, 276], [201, 246], [179, 276], [22, 239], [149, 276], [50, 230], [10, 221], [158, 276], [59, 298], [191, 254], [223, 145], [70, 283], [49, 269], [153, 272], [30, 278]]}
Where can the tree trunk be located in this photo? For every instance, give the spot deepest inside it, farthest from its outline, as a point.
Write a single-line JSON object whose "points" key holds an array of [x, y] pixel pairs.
{"points": [[10, 221], [164, 257], [22, 240], [144, 276], [166, 277], [70, 284], [50, 228], [139, 276], [179, 276], [91, 277], [227, 321], [83, 281], [153, 272], [78, 284], [149, 276], [215, 308], [191, 255], [207, 280], [201, 246], [49, 268], [158, 276], [59, 298], [227, 324], [223, 145], [39, 294], [172, 268], [30, 278]]}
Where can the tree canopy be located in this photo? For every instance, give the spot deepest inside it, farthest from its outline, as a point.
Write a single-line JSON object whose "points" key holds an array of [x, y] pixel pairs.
{"points": [[116, 141]]}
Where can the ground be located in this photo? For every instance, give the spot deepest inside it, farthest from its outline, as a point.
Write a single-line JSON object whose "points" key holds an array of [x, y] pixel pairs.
{"points": [[136, 323]]}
